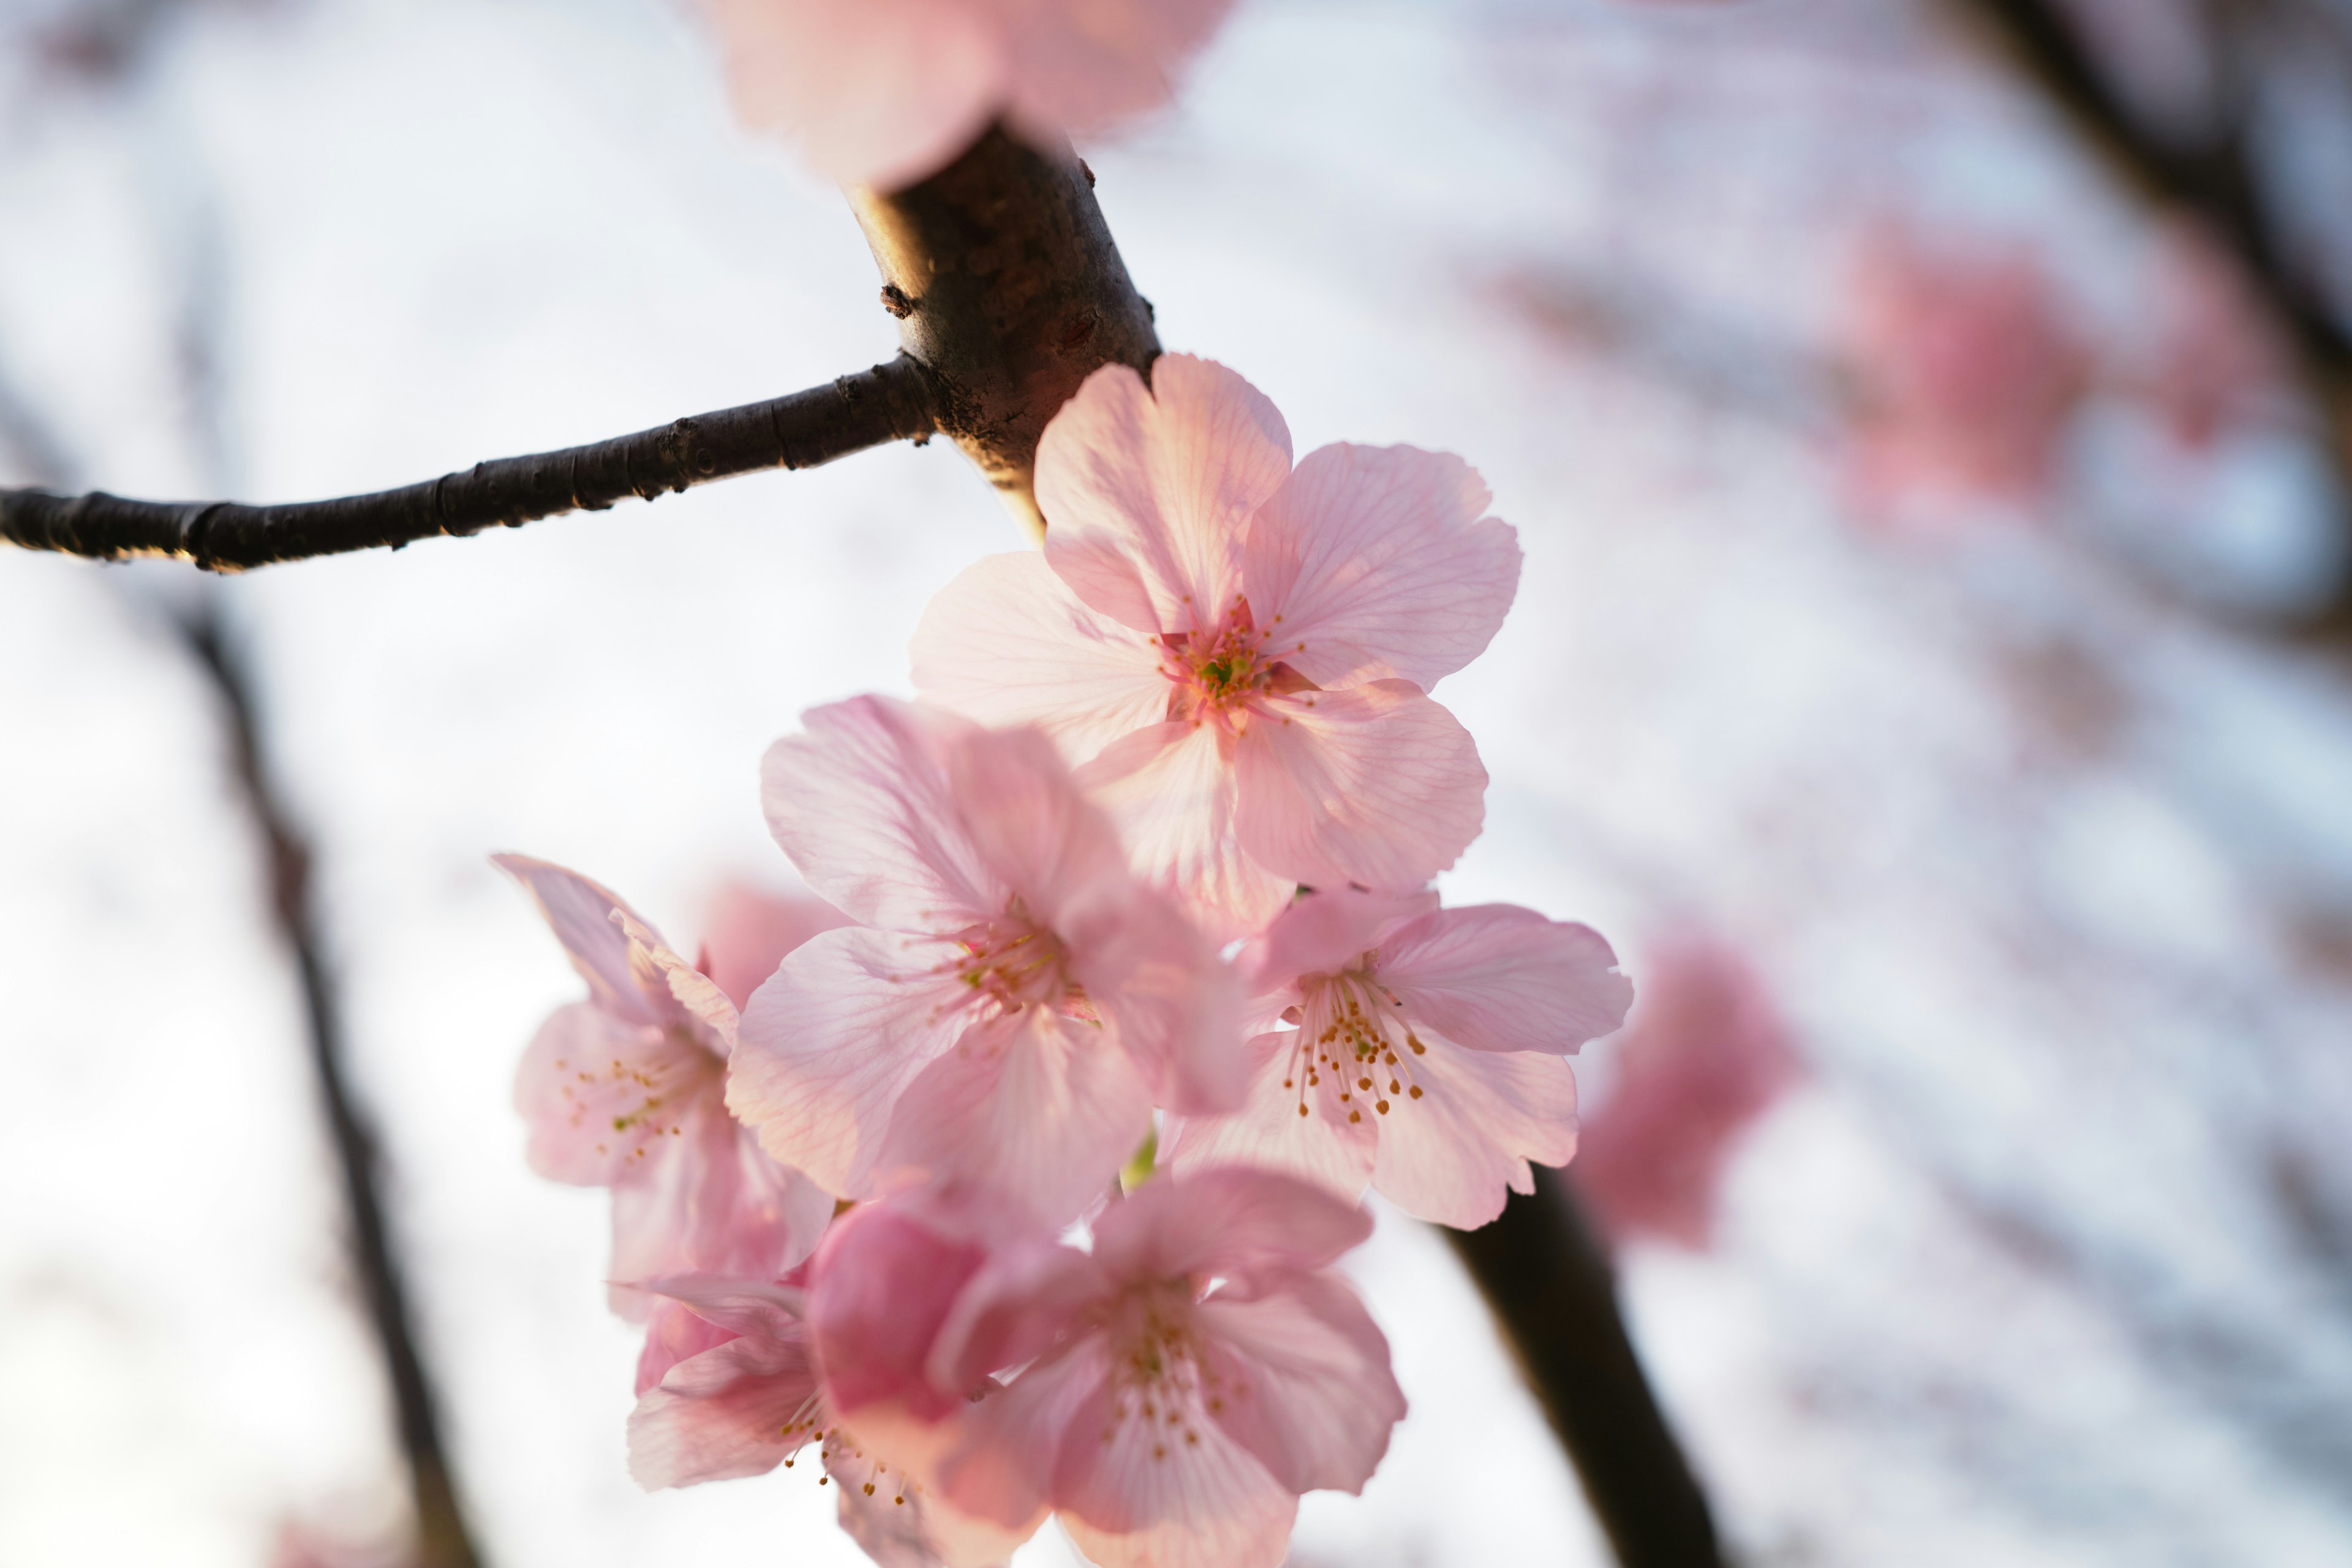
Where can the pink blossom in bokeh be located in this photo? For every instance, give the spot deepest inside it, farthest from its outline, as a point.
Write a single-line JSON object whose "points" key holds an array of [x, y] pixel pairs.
{"points": [[1705, 1056], [2215, 353], [1016, 1005], [1169, 1394], [882, 92], [1239, 652], [1966, 372], [748, 932], [627, 1090], [1428, 1056]]}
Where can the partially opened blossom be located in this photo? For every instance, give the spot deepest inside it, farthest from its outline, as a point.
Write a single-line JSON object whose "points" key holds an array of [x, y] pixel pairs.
{"points": [[1705, 1056], [752, 1401], [1015, 1004], [1171, 1394], [628, 1090], [882, 92], [1239, 652], [1428, 1053]]}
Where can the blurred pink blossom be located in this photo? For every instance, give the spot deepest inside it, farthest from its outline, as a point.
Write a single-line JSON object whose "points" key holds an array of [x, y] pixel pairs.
{"points": [[1966, 372], [882, 92], [749, 932], [1704, 1057], [1172, 1393], [2215, 353], [1428, 1056], [1239, 652], [628, 1090], [1017, 1005]]}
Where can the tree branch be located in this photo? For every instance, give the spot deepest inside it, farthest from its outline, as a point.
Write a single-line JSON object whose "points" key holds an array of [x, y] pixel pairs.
{"points": [[892, 402], [1544, 1273]]}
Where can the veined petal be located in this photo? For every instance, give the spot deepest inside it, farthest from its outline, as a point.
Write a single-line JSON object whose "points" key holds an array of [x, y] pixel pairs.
{"points": [[1031, 827], [1377, 564], [1495, 977], [1170, 1489], [1328, 931], [600, 1095], [1146, 491], [1373, 784], [901, 1523], [860, 803], [1170, 1003], [736, 1410], [1449, 1156], [1019, 1304], [1008, 643], [1305, 1382], [1002, 1465], [747, 1215], [700, 1005], [581, 914], [1039, 1108], [879, 1289], [1174, 798], [1231, 1221], [829, 1044], [1322, 1146]]}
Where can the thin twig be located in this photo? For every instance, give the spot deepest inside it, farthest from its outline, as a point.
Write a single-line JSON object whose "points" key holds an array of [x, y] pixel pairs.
{"points": [[443, 1539], [1545, 1273], [891, 401]]}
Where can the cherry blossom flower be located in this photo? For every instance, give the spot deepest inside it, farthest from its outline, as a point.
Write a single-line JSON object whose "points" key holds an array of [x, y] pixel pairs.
{"points": [[1967, 374], [752, 1401], [882, 92], [627, 1090], [1239, 652], [1015, 1006], [748, 932], [1427, 1057], [1705, 1056], [1172, 1394]]}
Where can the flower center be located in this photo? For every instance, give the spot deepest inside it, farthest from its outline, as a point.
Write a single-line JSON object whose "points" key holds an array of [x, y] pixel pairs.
{"points": [[1353, 1042], [1218, 673], [1015, 963], [643, 1100], [839, 1452], [1158, 1382]]}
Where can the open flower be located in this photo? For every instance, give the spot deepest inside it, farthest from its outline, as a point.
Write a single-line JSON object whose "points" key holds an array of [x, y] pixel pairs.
{"points": [[882, 92], [1427, 1057], [627, 1090], [752, 1401], [1238, 651], [1171, 1394], [1015, 1006]]}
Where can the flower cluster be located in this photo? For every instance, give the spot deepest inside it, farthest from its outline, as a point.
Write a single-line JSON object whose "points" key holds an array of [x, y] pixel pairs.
{"points": [[1147, 867]]}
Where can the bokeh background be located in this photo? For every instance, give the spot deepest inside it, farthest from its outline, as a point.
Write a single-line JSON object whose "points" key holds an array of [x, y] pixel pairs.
{"points": [[1930, 671]]}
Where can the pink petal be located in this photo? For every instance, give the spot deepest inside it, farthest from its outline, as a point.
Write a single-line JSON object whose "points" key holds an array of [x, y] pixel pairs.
{"points": [[750, 931], [861, 805], [1171, 1004], [580, 913], [1304, 1381], [1031, 829], [674, 1333], [1002, 1467], [751, 1308], [1081, 66], [1173, 1489], [1326, 931], [1022, 1299], [600, 1095], [1373, 784], [879, 92], [1495, 977], [1232, 1222], [705, 1011], [1449, 1156], [879, 1289], [1040, 1109], [1008, 643], [1380, 562], [709, 1200], [723, 1413], [902, 1524], [1268, 1131], [1145, 491], [828, 1045], [1175, 798]]}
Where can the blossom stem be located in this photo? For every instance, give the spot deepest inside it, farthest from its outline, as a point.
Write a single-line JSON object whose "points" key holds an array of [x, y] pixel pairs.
{"points": [[1545, 1273], [891, 401]]}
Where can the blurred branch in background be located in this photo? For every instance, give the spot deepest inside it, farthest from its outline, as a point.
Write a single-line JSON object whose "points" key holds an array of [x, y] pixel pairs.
{"points": [[2221, 150]]}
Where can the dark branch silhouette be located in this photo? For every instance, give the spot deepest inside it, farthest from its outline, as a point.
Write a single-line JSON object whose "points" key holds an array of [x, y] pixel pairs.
{"points": [[1544, 1272], [891, 401], [443, 1539]]}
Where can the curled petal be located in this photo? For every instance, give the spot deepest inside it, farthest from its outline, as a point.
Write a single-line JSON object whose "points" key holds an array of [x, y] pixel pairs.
{"points": [[880, 1289], [736, 1410], [673, 1333], [860, 803], [1373, 784], [1450, 1156], [1325, 932], [1322, 1146], [1146, 489], [581, 912], [1305, 1382], [828, 1045], [1019, 1304], [1175, 800], [1495, 977], [1007, 643], [1381, 565]]}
